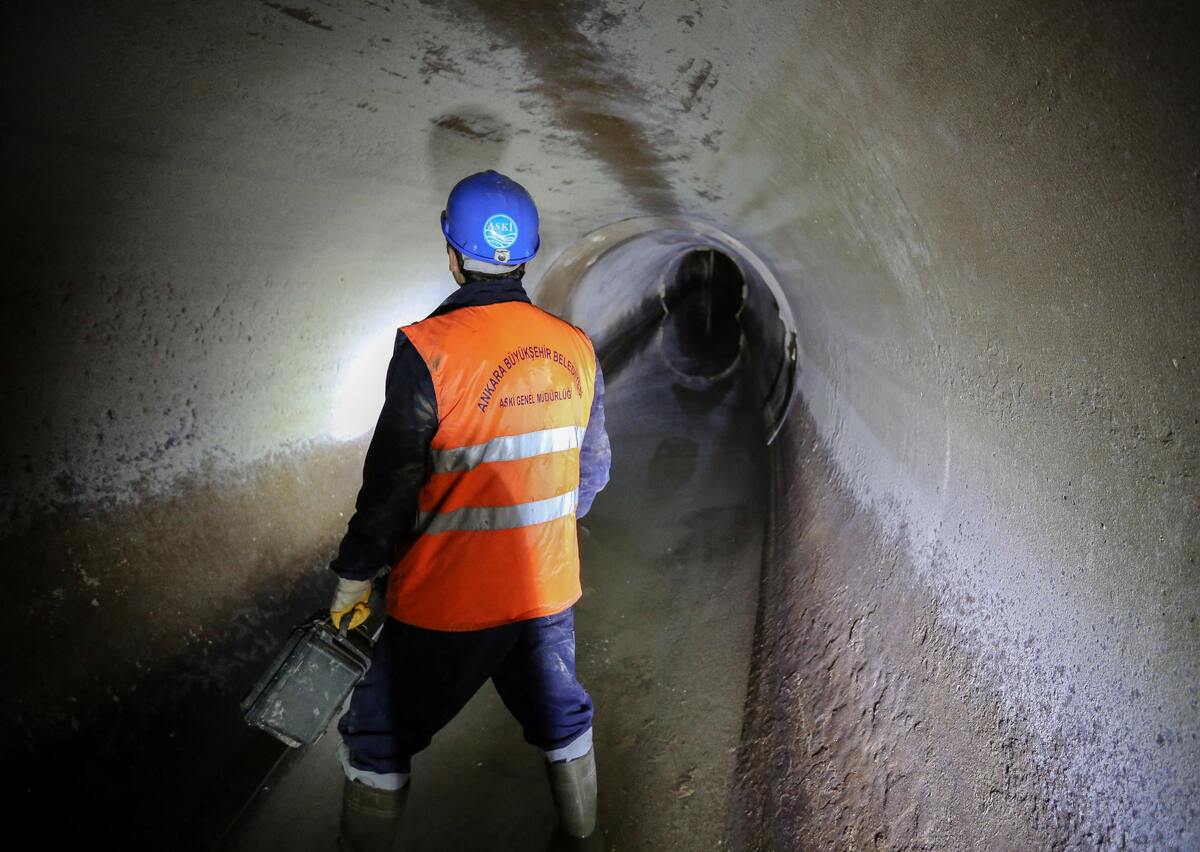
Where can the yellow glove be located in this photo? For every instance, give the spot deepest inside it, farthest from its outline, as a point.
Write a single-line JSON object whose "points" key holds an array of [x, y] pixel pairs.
{"points": [[350, 598]]}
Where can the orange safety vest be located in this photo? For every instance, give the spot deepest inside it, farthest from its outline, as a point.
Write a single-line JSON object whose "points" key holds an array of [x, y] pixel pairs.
{"points": [[496, 538]]}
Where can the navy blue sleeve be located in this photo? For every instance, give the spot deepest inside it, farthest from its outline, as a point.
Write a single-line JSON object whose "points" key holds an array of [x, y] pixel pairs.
{"points": [[595, 457], [396, 466]]}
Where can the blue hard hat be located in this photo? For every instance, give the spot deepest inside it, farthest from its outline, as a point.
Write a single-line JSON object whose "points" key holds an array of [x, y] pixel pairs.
{"points": [[492, 218]]}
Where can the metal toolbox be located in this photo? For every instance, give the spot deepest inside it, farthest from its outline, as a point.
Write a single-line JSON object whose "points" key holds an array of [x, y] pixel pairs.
{"points": [[307, 683]]}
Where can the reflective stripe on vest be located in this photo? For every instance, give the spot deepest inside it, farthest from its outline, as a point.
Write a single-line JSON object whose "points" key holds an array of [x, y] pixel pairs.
{"points": [[508, 448], [479, 518], [495, 536]]}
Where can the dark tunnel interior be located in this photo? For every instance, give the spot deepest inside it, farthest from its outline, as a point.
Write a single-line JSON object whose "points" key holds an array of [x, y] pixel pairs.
{"points": [[897, 308], [703, 338]]}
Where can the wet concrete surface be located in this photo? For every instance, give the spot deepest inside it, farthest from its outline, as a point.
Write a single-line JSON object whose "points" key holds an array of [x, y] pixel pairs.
{"points": [[671, 556], [982, 214]]}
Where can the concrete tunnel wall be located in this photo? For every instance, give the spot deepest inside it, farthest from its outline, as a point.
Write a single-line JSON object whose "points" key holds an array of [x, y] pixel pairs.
{"points": [[979, 619]]}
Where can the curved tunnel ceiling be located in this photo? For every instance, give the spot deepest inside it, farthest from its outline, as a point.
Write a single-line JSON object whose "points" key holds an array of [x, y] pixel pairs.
{"points": [[982, 222]]}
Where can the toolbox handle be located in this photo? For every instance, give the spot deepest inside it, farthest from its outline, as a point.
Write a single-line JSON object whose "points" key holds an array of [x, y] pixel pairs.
{"points": [[345, 625], [377, 599], [348, 617]]}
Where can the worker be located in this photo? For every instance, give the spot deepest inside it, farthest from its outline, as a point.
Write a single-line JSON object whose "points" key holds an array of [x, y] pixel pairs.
{"points": [[490, 444]]}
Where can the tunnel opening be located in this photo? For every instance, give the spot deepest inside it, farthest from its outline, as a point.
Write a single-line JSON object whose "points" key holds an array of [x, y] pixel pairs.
{"points": [[710, 304], [700, 336]]}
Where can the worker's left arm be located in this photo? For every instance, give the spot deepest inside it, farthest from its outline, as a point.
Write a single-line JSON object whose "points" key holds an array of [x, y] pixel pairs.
{"points": [[595, 456], [394, 470]]}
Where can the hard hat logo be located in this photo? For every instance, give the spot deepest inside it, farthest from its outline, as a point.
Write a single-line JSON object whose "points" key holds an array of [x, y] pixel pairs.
{"points": [[500, 232]]}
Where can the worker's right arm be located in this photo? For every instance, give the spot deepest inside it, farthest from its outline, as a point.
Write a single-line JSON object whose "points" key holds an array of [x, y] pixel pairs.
{"points": [[394, 470]]}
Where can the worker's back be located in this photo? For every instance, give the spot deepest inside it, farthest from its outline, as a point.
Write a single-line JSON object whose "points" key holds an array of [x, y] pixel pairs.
{"points": [[490, 445], [496, 525]]}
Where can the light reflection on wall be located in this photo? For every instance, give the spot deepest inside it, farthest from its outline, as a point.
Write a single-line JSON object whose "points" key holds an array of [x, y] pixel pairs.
{"points": [[360, 378], [359, 395]]}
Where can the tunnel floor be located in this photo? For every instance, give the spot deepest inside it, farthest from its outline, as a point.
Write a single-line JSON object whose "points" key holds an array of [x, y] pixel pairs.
{"points": [[671, 556]]}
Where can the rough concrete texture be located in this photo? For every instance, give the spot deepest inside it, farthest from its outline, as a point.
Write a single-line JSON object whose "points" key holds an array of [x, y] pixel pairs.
{"points": [[863, 680], [984, 216]]}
